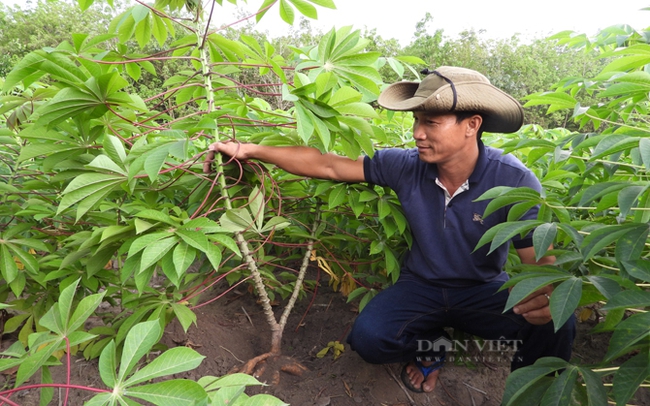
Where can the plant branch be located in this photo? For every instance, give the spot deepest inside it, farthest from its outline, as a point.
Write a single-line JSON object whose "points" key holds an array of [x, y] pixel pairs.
{"points": [[301, 274]]}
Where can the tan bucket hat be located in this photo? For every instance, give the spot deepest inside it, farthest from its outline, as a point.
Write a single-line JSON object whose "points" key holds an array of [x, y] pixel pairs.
{"points": [[449, 89]]}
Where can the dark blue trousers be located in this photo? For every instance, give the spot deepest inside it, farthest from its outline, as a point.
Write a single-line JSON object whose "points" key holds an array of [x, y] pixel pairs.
{"points": [[406, 321]]}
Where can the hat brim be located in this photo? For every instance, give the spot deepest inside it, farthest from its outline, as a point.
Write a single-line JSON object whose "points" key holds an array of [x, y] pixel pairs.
{"points": [[501, 112]]}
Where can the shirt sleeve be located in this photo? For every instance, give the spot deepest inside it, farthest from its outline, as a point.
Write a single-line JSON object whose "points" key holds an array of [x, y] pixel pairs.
{"points": [[387, 167]]}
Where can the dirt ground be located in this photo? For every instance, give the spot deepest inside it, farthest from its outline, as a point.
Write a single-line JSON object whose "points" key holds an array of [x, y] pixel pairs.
{"points": [[233, 330]]}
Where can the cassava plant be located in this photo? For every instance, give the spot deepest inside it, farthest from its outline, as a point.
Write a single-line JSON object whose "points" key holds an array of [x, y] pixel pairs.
{"points": [[126, 382], [595, 210], [103, 188]]}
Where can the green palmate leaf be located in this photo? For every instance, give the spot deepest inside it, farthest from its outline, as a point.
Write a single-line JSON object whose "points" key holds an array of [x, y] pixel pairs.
{"points": [[154, 160], [275, 224], [177, 392], [607, 286], [630, 375], [35, 361], [286, 12], [236, 220], [214, 256], [632, 244], [644, 150], [114, 148], [194, 239], [324, 3], [144, 241], [629, 197], [36, 150], [173, 361], [102, 399], [263, 400], [85, 309], [28, 260], [630, 332], [51, 320], [629, 298], [338, 195], [613, 144], [597, 395], [159, 29], [530, 285], [565, 300], [65, 302], [98, 195], [543, 237], [108, 365], [156, 215], [227, 242], [46, 393], [383, 208], [305, 124], [155, 251], [8, 266], [305, 8], [237, 380], [138, 342], [256, 206], [556, 100], [639, 269], [559, 393], [602, 237], [142, 36], [84, 186], [183, 257], [597, 191], [528, 383], [69, 102], [504, 232], [103, 162], [185, 316]]}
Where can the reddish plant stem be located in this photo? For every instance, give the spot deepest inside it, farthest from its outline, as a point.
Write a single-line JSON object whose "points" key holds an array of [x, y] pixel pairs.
{"points": [[52, 385], [67, 377], [224, 293], [163, 15], [185, 85], [196, 291], [205, 34], [245, 18], [147, 59], [7, 401]]}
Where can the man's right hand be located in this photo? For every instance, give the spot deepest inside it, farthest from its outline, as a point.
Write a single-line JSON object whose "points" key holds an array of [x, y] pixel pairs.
{"points": [[298, 160], [231, 149]]}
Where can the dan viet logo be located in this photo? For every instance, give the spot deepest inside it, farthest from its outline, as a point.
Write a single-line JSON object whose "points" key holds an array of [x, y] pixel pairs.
{"points": [[457, 350], [447, 345]]}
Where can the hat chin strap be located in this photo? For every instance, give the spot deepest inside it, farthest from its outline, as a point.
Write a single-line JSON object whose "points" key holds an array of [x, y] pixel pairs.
{"points": [[426, 71]]}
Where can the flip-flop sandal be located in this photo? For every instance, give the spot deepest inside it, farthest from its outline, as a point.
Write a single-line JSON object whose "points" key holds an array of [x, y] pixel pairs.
{"points": [[426, 371]]}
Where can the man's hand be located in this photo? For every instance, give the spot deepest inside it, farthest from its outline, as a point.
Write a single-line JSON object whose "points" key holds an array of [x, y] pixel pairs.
{"points": [[535, 308], [231, 149]]}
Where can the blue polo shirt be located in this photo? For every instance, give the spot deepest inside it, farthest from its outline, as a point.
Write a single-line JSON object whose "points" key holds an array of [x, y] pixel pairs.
{"points": [[445, 236]]}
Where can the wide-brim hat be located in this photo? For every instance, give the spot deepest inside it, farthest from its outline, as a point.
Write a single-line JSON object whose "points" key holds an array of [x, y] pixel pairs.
{"points": [[450, 89]]}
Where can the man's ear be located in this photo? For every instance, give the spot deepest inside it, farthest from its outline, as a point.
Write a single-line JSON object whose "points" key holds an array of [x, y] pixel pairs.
{"points": [[474, 124]]}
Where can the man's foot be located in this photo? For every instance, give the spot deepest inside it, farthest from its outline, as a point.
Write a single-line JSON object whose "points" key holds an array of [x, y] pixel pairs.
{"points": [[421, 376]]}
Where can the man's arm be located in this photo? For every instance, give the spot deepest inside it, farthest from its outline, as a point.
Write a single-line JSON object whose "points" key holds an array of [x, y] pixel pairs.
{"points": [[301, 161], [535, 307]]}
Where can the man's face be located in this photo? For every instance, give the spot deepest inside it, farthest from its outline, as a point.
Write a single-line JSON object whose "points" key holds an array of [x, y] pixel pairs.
{"points": [[440, 139]]}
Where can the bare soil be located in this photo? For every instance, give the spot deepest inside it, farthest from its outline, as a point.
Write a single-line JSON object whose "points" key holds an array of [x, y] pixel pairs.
{"points": [[233, 330]]}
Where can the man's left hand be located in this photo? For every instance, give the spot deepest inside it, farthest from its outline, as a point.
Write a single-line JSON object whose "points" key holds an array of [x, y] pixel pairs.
{"points": [[535, 308]]}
